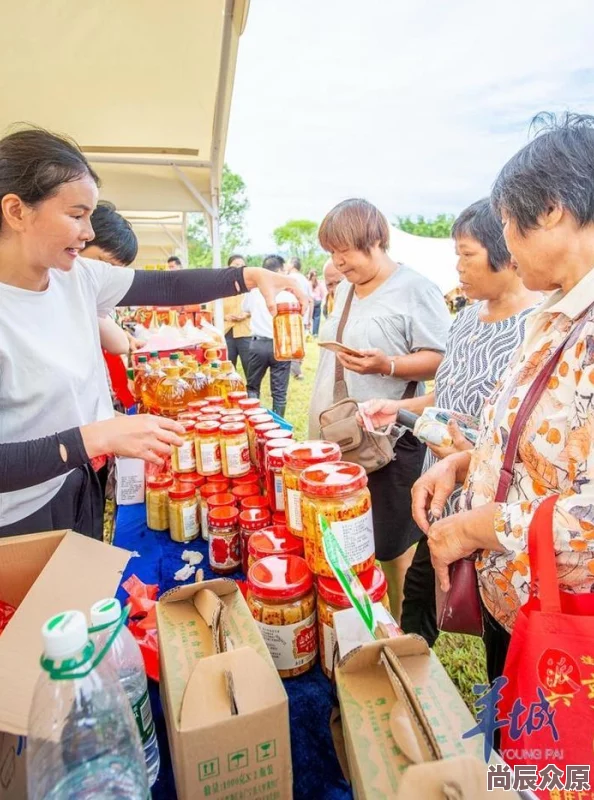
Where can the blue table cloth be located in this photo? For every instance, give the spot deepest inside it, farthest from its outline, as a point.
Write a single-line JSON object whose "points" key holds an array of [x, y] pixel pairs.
{"points": [[316, 772]]}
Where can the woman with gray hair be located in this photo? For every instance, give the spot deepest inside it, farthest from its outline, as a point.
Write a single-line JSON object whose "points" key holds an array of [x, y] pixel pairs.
{"points": [[545, 196]]}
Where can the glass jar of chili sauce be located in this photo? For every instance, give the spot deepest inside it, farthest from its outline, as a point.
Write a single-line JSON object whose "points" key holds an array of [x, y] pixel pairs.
{"points": [[289, 341], [296, 458], [224, 546], [251, 521]]}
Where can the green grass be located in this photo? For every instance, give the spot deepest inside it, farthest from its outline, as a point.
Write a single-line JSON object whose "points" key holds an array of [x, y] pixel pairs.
{"points": [[462, 656]]}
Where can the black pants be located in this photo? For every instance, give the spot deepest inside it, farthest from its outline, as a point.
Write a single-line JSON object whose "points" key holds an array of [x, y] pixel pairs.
{"points": [[315, 317], [78, 505], [238, 348], [418, 608], [261, 359]]}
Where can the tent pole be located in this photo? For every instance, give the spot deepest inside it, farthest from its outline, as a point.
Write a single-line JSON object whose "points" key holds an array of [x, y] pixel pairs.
{"points": [[184, 244], [216, 258]]}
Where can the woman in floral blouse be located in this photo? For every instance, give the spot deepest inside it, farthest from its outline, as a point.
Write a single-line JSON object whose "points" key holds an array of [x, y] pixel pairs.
{"points": [[545, 197]]}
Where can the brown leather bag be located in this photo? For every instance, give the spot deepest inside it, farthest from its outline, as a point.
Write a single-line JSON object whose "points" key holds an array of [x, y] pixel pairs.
{"points": [[370, 449], [459, 610]]}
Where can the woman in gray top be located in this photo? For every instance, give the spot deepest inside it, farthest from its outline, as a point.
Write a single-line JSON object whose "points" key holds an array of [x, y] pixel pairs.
{"points": [[399, 321]]}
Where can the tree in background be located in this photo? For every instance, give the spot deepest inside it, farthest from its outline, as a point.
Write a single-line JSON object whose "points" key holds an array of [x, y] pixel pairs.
{"points": [[299, 237], [438, 228], [233, 206]]}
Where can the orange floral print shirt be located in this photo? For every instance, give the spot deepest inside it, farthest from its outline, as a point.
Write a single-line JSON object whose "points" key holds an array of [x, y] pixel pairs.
{"points": [[556, 456]]}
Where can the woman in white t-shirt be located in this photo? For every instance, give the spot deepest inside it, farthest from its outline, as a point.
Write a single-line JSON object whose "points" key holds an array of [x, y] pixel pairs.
{"points": [[55, 408]]}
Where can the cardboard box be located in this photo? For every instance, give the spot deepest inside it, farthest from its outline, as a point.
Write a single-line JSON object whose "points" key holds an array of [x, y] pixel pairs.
{"points": [[403, 720], [226, 709], [41, 575]]}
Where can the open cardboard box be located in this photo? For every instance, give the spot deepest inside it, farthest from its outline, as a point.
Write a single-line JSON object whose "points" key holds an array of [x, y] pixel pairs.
{"points": [[41, 575], [226, 709], [402, 722]]}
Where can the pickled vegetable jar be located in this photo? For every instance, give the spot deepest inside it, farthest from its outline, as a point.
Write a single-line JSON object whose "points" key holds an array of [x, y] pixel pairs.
{"points": [[274, 479], [208, 490], [251, 521], [259, 432], [250, 477], [331, 598], [275, 540], [207, 447], [235, 453], [244, 490], [254, 502], [253, 420], [192, 477], [183, 458], [157, 502], [281, 598], [183, 512], [224, 548], [295, 459], [269, 436], [289, 342], [275, 444], [337, 491]]}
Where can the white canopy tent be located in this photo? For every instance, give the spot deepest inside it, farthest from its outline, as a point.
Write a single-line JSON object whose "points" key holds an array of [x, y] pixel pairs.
{"points": [[143, 86], [160, 235], [434, 258]]}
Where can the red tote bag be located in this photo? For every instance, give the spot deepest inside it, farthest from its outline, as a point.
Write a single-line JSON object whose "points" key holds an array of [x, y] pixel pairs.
{"points": [[549, 670]]}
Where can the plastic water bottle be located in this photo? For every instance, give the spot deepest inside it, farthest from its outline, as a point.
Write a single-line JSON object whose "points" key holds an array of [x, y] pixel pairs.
{"points": [[83, 743], [125, 658]]}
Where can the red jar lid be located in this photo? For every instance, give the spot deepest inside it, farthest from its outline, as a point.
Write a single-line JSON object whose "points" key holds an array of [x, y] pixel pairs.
{"points": [[272, 444], [258, 419], [373, 580], [254, 519], [248, 402], [211, 411], [253, 412], [273, 541], [237, 417], [279, 518], [189, 424], [255, 502], [250, 477], [303, 454], [215, 400], [181, 490], [232, 428], [221, 499], [278, 433], [265, 427], [191, 477], [213, 487], [159, 482], [280, 577], [333, 479], [275, 457], [288, 308], [245, 490], [222, 516], [207, 426], [196, 405], [188, 415], [237, 396]]}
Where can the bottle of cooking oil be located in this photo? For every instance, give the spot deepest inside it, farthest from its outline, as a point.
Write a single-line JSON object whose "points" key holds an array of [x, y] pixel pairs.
{"points": [[149, 386], [140, 374], [173, 392], [228, 380], [199, 382]]}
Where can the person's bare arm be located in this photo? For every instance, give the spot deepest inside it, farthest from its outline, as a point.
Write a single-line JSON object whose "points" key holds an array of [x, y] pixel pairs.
{"points": [[112, 337]]}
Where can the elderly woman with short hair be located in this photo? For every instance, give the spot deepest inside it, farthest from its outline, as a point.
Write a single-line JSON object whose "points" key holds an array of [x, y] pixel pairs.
{"points": [[545, 197]]}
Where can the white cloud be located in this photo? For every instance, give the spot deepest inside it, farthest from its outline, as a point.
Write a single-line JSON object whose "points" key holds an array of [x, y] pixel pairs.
{"points": [[413, 105]]}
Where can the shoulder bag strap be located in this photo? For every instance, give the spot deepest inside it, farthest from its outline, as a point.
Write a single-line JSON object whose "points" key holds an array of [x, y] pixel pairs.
{"points": [[532, 397], [340, 390]]}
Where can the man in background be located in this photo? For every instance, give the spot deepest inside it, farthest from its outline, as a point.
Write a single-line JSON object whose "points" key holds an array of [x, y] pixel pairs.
{"points": [[261, 354], [173, 262], [293, 269], [332, 277]]}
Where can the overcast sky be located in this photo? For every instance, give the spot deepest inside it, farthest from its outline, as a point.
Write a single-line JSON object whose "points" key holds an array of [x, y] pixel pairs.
{"points": [[413, 105]]}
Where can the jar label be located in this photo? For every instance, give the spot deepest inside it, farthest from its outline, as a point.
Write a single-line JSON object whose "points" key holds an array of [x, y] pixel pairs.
{"points": [[224, 551], [355, 536], [238, 459], [329, 638], [210, 456], [291, 646], [185, 456], [279, 497], [204, 520], [189, 516], [294, 509]]}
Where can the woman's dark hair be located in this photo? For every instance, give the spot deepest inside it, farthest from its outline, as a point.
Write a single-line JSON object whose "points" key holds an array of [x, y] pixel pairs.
{"points": [[113, 233], [556, 168], [480, 222], [34, 163], [232, 258], [175, 259], [313, 277]]}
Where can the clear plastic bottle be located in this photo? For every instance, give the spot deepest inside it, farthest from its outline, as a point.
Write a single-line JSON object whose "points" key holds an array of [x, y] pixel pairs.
{"points": [[149, 387], [82, 739], [228, 380], [125, 658], [199, 382], [173, 392], [141, 373]]}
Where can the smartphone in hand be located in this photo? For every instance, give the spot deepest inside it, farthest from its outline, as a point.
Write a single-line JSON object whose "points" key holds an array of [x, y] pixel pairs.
{"points": [[339, 347]]}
